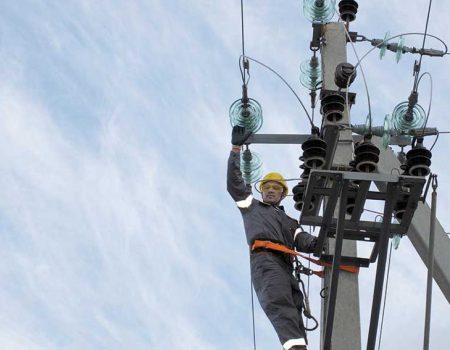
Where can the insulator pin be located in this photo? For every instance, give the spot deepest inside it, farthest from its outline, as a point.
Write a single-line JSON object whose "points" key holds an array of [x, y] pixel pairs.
{"points": [[367, 156], [333, 107], [298, 192], [399, 209], [348, 10], [406, 117], [319, 11], [310, 73], [344, 75], [314, 152], [350, 206], [418, 161], [246, 112], [251, 164]]}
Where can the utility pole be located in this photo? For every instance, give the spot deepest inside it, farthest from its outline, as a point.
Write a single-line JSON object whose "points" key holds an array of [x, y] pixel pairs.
{"points": [[337, 185], [346, 315], [346, 332]]}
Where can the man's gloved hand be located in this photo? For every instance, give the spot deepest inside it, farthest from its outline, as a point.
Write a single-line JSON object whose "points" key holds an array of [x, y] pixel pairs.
{"points": [[239, 135], [304, 242]]}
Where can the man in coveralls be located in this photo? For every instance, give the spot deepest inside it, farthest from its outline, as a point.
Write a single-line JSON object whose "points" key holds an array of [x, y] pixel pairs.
{"points": [[271, 270]]}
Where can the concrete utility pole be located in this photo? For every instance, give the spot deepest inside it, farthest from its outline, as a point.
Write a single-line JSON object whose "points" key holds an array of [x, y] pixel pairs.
{"points": [[342, 329], [346, 333], [346, 327]]}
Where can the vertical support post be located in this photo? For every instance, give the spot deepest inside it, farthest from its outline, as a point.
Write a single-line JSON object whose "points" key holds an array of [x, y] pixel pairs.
{"points": [[346, 326], [426, 339], [336, 263], [383, 241]]}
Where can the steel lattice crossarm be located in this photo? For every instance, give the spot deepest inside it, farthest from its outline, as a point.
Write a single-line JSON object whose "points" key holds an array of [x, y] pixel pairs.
{"points": [[357, 193], [351, 187]]}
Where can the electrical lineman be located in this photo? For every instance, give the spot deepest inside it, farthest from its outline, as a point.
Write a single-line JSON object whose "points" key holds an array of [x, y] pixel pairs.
{"points": [[271, 234]]}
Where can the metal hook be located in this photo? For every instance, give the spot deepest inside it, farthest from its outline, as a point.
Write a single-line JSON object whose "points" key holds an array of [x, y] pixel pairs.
{"points": [[434, 181]]}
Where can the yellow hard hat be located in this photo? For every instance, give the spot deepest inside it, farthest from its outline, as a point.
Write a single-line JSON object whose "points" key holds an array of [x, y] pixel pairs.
{"points": [[277, 177]]}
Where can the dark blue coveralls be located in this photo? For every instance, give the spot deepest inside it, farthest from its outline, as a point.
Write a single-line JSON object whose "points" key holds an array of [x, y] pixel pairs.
{"points": [[276, 287]]}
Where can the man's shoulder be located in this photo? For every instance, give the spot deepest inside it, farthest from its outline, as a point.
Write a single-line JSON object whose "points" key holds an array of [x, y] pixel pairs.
{"points": [[292, 219]]}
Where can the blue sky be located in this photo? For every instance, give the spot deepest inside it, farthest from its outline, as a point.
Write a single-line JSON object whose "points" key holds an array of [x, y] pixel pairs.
{"points": [[116, 230]]}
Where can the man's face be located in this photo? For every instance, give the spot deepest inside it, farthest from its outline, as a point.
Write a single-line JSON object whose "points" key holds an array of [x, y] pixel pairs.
{"points": [[272, 192]]}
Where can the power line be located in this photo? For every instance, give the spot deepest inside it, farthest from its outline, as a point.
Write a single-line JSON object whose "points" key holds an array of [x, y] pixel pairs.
{"points": [[287, 84], [385, 297], [423, 46], [242, 40]]}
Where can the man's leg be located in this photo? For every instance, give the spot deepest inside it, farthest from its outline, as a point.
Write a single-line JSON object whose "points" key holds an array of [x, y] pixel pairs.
{"points": [[273, 285]]}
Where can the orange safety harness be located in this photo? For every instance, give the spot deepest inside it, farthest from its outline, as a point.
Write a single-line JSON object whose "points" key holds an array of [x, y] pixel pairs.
{"points": [[281, 248]]}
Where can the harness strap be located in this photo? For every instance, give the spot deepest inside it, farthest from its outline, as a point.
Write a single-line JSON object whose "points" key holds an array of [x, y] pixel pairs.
{"points": [[282, 248]]}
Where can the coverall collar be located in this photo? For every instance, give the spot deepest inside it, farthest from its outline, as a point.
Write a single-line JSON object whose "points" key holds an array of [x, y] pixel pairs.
{"points": [[273, 205]]}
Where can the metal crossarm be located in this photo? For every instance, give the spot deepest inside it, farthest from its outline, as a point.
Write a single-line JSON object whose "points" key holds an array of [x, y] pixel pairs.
{"points": [[326, 184], [329, 187]]}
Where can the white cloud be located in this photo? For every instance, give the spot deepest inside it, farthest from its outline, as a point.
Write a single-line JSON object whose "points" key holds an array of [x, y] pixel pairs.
{"points": [[115, 222]]}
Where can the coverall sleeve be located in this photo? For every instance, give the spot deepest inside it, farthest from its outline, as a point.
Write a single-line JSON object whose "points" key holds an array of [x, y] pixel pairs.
{"points": [[236, 186], [304, 241]]}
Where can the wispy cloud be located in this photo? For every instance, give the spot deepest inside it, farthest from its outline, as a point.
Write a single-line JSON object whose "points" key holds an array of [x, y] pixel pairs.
{"points": [[115, 226]]}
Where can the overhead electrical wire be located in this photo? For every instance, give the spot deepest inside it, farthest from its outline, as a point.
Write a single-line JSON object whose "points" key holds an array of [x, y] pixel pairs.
{"points": [[243, 67], [285, 82], [385, 296], [363, 75], [415, 86], [253, 315], [431, 96], [243, 42], [385, 41], [245, 82], [435, 140], [244, 70]]}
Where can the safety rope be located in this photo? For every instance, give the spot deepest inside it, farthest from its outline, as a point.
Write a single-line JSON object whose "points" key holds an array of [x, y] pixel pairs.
{"points": [[281, 248], [299, 268]]}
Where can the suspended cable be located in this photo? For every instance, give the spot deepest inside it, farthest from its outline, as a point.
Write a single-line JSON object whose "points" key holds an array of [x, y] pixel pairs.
{"points": [[437, 136], [376, 212], [243, 42], [363, 75], [415, 86], [287, 84], [253, 314], [431, 96], [414, 93], [245, 82], [385, 296]]}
